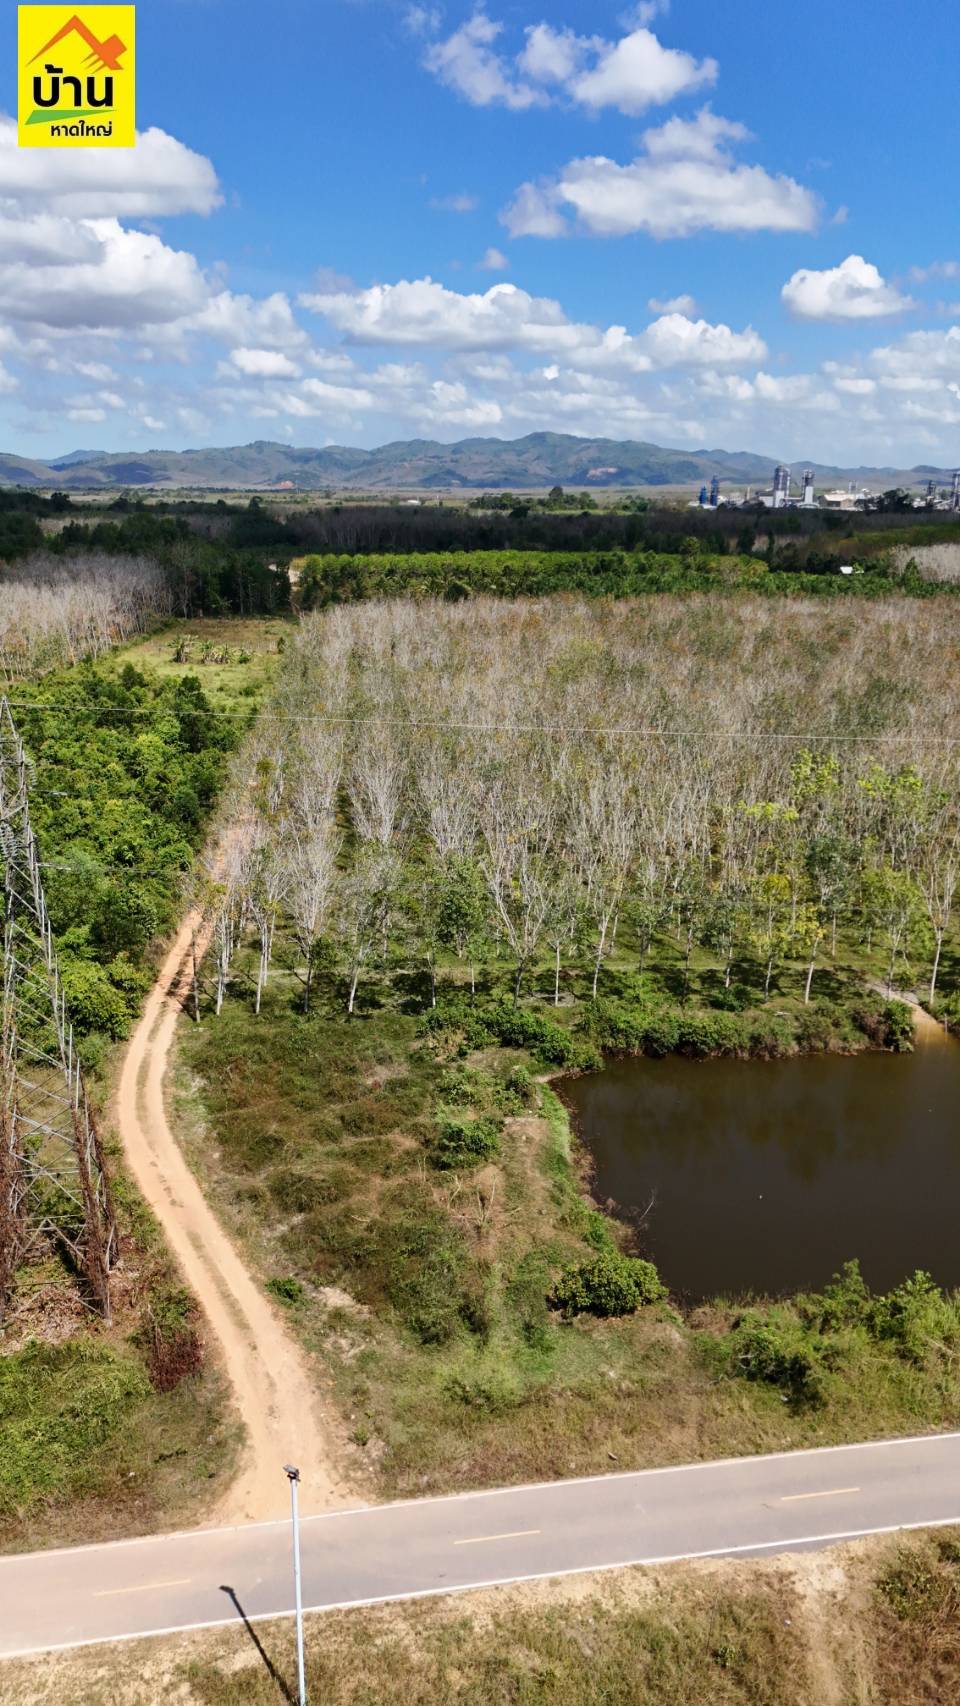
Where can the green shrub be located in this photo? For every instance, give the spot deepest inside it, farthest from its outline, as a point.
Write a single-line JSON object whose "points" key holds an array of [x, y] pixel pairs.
{"points": [[94, 1003], [815, 1029], [898, 1020], [638, 1029], [461, 1085], [609, 1284], [845, 1302], [484, 1023], [462, 1142], [888, 1026], [520, 1088], [777, 1350], [768, 1039], [736, 999], [254, 1149], [59, 1406], [709, 1033], [658, 1028], [917, 1318], [286, 1290]]}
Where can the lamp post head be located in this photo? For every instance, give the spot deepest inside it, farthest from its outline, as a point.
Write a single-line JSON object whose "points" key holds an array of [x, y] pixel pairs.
{"points": [[291, 1473]]}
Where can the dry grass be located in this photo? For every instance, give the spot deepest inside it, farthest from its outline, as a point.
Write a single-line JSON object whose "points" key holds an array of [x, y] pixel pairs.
{"points": [[935, 562], [873, 1624]]}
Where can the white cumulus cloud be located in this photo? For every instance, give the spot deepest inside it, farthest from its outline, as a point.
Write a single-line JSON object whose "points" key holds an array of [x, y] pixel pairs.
{"points": [[126, 279], [555, 63], [249, 322], [454, 405], [160, 176], [425, 314], [686, 180], [676, 341], [263, 363], [468, 63], [639, 72], [854, 290], [672, 305], [920, 355]]}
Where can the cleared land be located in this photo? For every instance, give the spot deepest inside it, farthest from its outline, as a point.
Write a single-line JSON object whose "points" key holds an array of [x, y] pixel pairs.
{"points": [[235, 658], [401, 1177], [267, 1372]]}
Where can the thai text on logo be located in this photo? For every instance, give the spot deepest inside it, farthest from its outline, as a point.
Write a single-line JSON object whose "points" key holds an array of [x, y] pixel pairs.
{"points": [[76, 77]]}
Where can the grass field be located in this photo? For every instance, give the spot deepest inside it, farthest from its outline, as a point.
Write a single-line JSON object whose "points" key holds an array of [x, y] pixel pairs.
{"points": [[873, 1624], [425, 1290], [236, 658]]}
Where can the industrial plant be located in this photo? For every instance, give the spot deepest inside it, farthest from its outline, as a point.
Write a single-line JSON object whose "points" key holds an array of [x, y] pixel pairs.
{"points": [[788, 492]]}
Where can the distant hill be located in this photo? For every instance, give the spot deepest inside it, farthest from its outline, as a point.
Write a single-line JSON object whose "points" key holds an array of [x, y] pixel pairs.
{"points": [[540, 459]]}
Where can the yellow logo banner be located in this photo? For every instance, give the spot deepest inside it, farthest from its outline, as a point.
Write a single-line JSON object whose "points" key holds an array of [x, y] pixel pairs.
{"points": [[76, 70]]}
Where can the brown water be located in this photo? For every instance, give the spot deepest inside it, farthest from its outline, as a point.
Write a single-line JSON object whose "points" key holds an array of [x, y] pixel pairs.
{"points": [[765, 1176]]}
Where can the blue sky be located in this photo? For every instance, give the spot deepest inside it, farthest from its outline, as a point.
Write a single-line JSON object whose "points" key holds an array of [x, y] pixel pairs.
{"points": [[371, 219]]}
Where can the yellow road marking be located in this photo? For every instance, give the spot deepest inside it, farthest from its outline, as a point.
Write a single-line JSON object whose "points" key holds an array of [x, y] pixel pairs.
{"points": [[482, 1539], [144, 1587], [834, 1493]]}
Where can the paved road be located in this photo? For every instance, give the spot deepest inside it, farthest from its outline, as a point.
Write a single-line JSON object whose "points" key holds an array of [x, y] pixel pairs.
{"points": [[747, 1505]]}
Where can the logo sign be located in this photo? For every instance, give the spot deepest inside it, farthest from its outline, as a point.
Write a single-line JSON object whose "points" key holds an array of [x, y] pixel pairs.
{"points": [[76, 77]]}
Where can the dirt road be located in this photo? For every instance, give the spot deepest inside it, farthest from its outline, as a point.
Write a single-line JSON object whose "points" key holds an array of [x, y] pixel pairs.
{"points": [[267, 1370]]}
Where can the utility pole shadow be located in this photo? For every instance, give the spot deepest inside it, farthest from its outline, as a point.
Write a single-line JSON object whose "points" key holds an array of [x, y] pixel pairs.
{"points": [[284, 1687]]}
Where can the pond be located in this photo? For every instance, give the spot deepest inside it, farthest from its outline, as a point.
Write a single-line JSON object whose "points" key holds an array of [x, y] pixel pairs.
{"points": [[765, 1176]]}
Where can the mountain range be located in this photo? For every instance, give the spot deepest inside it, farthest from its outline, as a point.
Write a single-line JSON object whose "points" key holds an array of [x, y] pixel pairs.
{"points": [[541, 459]]}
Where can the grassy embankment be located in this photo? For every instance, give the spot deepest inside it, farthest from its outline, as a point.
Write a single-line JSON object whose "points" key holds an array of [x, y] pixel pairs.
{"points": [[874, 1624], [105, 1431], [424, 1276]]}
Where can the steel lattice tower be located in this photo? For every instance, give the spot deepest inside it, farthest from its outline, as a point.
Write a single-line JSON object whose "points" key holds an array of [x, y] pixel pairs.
{"points": [[53, 1184]]}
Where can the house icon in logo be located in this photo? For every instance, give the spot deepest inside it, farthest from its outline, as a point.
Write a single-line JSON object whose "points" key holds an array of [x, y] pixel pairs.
{"points": [[105, 54]]}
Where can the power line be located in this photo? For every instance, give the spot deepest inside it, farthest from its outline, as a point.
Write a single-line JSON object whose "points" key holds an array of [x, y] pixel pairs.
{"points": [[625, 730]]}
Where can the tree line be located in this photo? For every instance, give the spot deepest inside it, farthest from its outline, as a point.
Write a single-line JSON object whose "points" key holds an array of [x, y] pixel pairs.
{"points": [[558, 782], [126, 771], [812, 541], [327, 579], [56, 611], [202, 576]]}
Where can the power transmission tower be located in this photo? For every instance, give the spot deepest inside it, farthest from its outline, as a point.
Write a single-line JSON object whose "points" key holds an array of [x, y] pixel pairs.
{"points": [[53, 1185]]}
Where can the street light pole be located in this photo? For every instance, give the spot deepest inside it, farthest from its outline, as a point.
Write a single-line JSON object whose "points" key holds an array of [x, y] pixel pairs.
{"points": [[293, 1476]]}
